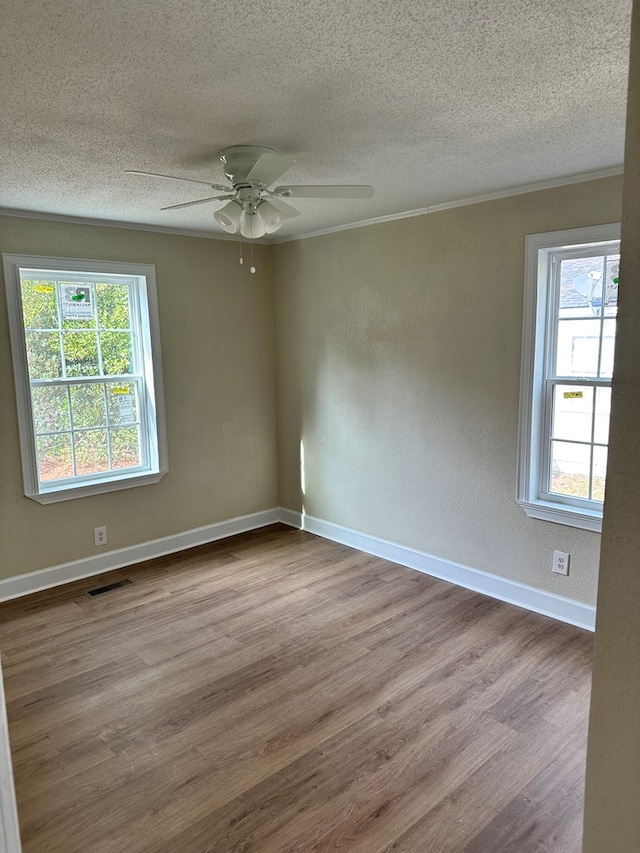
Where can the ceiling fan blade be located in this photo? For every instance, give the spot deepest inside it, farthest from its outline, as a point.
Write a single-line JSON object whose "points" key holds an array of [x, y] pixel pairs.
{"points": [[175, 178], [268, 168], [199, 201], [288, 211], [326, 191]]}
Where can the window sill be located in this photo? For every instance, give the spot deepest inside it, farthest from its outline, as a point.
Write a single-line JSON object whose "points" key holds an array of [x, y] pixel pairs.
{"points": [[561, 514], [97, 487]]}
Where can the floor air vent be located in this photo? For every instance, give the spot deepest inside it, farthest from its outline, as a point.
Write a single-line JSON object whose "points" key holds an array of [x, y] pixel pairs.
{"points": [[109, 587]]}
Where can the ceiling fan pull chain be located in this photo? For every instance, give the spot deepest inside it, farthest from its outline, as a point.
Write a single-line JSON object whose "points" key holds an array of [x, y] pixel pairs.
{"points": [[241, 258], [252, 268]]}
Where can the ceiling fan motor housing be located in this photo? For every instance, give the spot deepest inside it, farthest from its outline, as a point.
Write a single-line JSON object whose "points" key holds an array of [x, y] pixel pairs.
{"points": [[248, 197]]}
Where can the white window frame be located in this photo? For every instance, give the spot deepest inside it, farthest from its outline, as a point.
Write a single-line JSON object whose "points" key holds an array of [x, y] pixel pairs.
{"points": [[145, 307], [533, 415]]}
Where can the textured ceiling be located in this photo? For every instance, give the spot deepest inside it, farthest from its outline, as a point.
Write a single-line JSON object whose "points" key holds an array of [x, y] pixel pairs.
{"points": [[429, 101]]}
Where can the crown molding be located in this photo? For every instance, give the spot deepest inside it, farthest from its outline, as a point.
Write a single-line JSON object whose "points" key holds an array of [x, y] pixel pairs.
{"points": [[421, 211], [463, 202], [111, 223]]}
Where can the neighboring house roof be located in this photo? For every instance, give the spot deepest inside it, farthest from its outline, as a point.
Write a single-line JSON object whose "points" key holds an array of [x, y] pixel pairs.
{"points": [[581, 276]]}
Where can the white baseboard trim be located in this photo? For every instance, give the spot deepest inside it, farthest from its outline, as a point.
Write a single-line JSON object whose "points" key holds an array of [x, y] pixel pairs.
{"points": [[66, 572], [548, 603]]}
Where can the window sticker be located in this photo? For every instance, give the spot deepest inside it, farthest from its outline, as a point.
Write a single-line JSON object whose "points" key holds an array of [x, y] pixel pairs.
{"points": [[45, 288], [77, 302], [126, 414], [572, 395]]}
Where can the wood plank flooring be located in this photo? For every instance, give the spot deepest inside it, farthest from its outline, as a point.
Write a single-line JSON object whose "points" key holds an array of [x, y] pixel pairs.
{"points": [[278, 693]]}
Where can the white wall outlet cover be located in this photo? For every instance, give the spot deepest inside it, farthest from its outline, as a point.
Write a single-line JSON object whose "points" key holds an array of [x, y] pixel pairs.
{"points": [[561, 562]]}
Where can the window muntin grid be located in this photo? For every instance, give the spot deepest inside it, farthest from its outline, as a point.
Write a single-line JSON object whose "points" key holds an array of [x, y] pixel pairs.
{"points": [[58, 339]]}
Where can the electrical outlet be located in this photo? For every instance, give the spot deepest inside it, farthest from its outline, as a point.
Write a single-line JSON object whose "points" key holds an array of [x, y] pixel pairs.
{"points": [[99, 536], [561, 562]]}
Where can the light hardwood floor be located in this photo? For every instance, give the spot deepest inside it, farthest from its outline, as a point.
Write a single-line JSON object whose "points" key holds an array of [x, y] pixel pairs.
{"points": [[276, 692]]}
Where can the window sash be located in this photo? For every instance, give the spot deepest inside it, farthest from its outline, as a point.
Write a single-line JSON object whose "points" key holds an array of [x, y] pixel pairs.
{"points": [[553, 319], [544, 491], [133, 329], [140, 423]]}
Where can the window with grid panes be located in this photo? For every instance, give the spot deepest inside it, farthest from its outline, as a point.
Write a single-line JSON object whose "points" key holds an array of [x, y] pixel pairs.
{"points": [[88, 376], [571, 306]]}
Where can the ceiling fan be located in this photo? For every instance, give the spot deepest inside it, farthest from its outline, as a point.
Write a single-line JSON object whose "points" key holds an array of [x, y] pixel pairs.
{"points": [[252, 208]]}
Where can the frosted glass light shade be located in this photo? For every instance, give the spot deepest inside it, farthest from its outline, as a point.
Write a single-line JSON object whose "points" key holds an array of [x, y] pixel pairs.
{"points": [[229, 216], [251, 226], [271, 217]]}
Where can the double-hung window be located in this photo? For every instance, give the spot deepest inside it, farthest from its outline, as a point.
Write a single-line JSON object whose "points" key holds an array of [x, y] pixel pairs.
{"points": [[86, 353], [571, 303]]}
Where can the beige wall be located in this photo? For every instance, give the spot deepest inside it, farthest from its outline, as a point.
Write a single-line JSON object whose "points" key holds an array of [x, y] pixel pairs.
{"points": [[398, 372], [612, 810], [216, 322], [398, 359]]}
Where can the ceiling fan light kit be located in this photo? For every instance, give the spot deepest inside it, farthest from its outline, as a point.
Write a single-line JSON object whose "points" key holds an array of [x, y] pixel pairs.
{"points": [[271, 216], [252, 208], [228, 217], [251, 225]]}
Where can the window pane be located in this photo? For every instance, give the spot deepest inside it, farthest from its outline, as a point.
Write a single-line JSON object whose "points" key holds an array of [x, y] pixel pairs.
{"points": [[88, 406], [578, 346], [43, 355], [125, 447], [572, 412], [92, 453], [581, 286], [81, 353], [122, 402], [611, 287], [54, 457], [603, 408], [599, 472], [50, 409], [608, 346], [116, 353], [113, 306], [570, 469], [39, 304], [77, 305]]}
